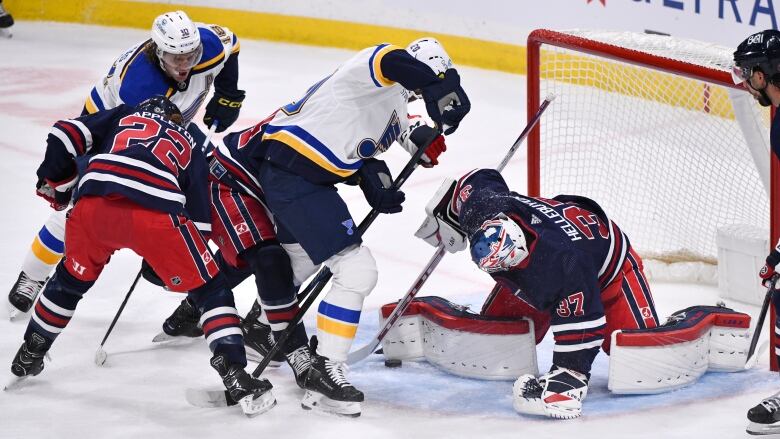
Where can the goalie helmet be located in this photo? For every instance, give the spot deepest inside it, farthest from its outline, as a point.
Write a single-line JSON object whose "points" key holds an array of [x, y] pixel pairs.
{"points": [[499, 244], [163, 106], [431, 52], [760, 50], [177, 42]]}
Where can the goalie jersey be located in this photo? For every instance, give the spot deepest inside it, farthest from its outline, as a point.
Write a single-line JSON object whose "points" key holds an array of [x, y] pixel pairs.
{"points": [[575, 251], [115, 155], [353, 114], [134, 77]]}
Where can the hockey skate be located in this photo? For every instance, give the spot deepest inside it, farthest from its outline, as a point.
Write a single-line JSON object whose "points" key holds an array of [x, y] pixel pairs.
{"points": [[327, 389], [28, 360], [184, 322], [765, 417], [253, 395], [24, 292], [258, 340], [300, 363], [6, 21]]}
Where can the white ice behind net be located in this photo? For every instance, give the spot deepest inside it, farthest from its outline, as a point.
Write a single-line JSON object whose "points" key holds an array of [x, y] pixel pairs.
{"points": [[668, 170]]}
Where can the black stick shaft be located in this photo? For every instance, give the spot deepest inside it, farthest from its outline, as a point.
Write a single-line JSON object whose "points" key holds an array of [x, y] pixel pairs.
{"points": [[121, 308]]}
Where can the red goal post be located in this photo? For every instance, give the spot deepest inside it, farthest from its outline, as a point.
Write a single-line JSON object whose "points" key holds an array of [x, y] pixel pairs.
{"points": [[651, 101]]}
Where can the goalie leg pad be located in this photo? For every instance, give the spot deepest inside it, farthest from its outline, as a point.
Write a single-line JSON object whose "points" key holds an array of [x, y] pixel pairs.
{"points": [[461, 342], [693, 341]]}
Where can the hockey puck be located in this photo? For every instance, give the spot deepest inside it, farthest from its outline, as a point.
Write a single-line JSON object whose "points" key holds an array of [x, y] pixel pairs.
{"points": [[393, 363]]}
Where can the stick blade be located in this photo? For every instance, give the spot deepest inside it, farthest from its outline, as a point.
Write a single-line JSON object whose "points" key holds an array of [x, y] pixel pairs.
{"points": [[100, 356]]}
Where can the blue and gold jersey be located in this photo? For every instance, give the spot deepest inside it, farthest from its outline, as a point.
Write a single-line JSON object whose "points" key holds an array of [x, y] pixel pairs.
{"points": [[353, 114], [134, 77]]}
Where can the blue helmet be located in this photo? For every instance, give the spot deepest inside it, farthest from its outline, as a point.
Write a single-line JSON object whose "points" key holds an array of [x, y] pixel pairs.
{"points": [[163, 106], [498, 245]]}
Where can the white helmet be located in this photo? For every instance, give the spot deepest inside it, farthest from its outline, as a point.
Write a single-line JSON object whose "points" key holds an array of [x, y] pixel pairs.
{"points": [[432, 53], [178, 43]]}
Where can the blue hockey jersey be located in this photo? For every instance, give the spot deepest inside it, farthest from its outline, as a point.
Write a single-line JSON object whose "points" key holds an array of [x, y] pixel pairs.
{"points": [[136, 155], [574, 252]]}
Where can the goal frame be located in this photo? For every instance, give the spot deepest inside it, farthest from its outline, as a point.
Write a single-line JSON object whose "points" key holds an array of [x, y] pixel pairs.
{"points": [[559, 39]]}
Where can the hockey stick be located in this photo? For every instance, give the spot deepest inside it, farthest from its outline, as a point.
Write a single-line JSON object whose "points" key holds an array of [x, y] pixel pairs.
{"points": [[221, 398], [404, 303], [100, 354], [752, 355]]}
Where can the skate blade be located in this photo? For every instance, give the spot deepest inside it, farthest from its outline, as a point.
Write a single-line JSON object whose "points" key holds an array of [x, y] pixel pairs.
{"points": [[253, 355], [15, 383], [15, 314], [320, 403], [757, 429], [253, 405]]}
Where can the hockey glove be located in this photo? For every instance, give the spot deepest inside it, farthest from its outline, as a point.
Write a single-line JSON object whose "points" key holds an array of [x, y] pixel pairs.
{"points": [[446, 101], [441, 226], [768, 274], [224, 108], [375, 182], [58, 193], [557, 394], [419, 135]]}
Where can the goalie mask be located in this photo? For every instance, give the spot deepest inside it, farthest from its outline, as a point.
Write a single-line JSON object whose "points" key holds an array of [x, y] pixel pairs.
{"points": [[498, 245], [177, 42]]}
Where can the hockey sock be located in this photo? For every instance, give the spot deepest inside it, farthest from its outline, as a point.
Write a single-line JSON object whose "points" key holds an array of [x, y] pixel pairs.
{"points": [[56, 305], [45, 252], [219, 320], [274, 278]]}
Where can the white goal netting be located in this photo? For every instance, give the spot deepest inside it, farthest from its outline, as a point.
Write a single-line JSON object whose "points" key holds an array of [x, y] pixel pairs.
{"points": [[668, 157]]}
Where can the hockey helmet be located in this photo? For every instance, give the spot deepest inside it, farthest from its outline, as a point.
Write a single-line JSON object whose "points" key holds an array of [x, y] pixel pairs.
{"points": [[499, 244], [431, 52], [163, 106], [178, 43], [760, 50]]}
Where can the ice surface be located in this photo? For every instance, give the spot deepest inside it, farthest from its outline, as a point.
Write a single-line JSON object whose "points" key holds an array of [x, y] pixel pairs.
{"points": [[45, 74]]}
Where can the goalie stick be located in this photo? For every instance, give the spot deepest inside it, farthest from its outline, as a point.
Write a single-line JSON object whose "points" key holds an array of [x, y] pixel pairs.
{"points": [[221, 398], [404, 303], [100, 354]]}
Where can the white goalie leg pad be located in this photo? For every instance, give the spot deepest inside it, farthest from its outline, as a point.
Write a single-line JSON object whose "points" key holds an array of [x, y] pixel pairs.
{"points": [[354, 276], [703, 338], [460, 342], [302, 265]]}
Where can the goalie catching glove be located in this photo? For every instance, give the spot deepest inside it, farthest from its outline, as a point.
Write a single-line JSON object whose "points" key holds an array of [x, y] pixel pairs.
{"points": [[768, 274], [441, 226], [556, 394], [57, 193]]}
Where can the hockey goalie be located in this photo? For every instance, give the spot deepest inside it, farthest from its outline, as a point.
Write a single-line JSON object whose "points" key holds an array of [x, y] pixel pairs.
{"points": [[562, 264]]}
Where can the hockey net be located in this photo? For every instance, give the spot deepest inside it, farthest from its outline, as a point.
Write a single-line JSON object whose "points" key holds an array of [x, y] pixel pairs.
{"points": [[654, 129]]}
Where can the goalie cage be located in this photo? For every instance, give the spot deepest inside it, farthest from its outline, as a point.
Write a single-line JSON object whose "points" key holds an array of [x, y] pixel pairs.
{"points": [[655, 130]]}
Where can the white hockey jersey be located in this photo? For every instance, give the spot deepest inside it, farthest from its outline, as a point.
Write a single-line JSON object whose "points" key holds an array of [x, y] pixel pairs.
{"points": [[353, 114], [133, 77]]}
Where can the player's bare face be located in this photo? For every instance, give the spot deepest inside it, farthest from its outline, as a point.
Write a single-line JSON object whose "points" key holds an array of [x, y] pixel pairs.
{"points": [[178, 66], [756, 86]]}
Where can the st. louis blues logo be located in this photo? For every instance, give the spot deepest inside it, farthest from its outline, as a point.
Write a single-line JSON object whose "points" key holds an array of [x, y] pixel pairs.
{"points": [[349, 224]]}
